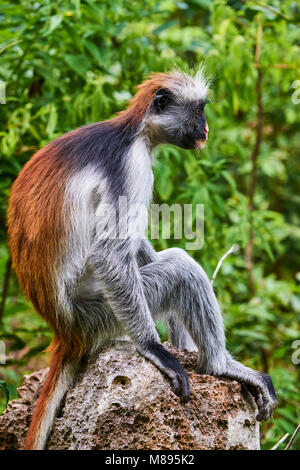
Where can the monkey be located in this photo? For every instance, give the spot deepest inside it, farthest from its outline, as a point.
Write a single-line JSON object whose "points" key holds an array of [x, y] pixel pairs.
{"points": [[92, 288]]}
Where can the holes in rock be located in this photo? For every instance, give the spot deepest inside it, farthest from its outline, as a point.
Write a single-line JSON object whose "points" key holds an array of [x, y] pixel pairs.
{"points": [[222, 423], [247, 423], [140, 419], [121, 381]]}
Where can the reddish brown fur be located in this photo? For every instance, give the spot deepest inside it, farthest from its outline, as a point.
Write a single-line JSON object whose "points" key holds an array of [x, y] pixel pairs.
{"points": [[37, 234], [56, 364], [141, 102], [34, 222]]}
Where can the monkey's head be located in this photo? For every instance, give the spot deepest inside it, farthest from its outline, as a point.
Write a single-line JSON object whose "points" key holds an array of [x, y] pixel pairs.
{"points": [[174, 109]]}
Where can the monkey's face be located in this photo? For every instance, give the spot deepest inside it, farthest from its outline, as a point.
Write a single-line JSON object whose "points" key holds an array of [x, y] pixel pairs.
{"points": [[176, 121]]}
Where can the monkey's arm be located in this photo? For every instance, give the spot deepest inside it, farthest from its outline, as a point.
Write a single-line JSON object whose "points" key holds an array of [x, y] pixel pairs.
{"points": [[120, 279]]}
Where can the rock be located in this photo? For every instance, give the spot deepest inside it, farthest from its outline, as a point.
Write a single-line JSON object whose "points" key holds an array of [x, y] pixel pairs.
{"points": [[15, 420], [121, 401]]}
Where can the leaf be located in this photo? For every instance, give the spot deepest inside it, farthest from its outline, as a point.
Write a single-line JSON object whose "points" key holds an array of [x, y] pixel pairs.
{"points": [[5, 390], [230, 180], [51, 121], [78, 63], [168, 24], [94, 50], [55, 21]]}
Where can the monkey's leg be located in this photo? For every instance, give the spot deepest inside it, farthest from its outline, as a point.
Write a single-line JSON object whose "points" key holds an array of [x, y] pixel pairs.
{"points": [[179, 335], [175, 282], [121, 284]]}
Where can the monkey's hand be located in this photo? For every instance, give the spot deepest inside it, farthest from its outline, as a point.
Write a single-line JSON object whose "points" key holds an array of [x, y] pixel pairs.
{"points": [[169, 366]]}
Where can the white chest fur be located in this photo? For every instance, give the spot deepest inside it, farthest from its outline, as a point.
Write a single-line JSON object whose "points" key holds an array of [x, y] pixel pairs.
{"points": [[140, 184], [140, 175]]}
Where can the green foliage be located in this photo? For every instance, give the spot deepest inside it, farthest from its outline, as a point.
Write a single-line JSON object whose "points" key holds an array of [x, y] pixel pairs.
{"points": [[68, 63], [5, 390]]}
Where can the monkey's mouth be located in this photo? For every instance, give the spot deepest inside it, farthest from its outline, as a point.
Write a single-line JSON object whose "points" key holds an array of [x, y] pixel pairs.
{"points": [[200, 144]]}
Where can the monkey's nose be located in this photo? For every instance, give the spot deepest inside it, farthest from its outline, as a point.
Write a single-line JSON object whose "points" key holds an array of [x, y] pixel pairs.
{"points": [[205, 129]]}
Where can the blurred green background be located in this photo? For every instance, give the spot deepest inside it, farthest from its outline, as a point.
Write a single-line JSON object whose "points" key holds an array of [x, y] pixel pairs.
{"points": [[68, 63]]}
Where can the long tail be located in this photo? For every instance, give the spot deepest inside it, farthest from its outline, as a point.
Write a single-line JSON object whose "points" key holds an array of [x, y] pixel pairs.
{"points": [[59, 380]]}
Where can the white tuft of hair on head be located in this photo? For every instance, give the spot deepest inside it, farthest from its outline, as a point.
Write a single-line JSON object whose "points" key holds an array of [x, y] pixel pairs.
{"points": [[190, 87]]}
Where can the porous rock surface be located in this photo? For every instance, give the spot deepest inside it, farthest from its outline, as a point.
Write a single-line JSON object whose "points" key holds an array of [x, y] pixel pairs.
{"points": [[121, 401]]}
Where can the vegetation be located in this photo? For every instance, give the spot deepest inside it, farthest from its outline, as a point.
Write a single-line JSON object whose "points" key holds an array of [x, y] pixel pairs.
{"points": [[68, 63]]}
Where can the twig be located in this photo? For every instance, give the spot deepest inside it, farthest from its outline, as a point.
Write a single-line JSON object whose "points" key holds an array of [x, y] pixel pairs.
{"points": [[11, 44], [258, 43], [276, 66], [293, 437], [280, 442], [272, 9], [234, 248]]}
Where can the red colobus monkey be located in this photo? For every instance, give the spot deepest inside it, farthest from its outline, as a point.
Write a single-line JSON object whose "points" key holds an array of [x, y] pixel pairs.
{"points": [[92, 288]]}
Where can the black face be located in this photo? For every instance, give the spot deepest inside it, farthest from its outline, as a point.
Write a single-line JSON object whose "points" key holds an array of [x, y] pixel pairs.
{"points": [[196, 129], [185, 124]]}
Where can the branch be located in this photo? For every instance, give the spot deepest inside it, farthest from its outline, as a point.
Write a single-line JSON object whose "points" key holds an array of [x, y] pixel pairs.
{"points": [[293, 437], [272, 9], [233, 249], [280, 442]]}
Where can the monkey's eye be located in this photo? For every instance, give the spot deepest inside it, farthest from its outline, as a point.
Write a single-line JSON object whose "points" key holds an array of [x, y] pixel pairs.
{"points": [[201, 107]]}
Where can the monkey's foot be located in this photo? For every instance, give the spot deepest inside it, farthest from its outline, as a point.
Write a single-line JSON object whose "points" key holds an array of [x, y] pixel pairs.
{"points": [[259, 385], [264, 395]]}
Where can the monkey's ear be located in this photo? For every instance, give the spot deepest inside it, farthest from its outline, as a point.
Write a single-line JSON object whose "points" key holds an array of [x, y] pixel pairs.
{"points": [[163, 97]]}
